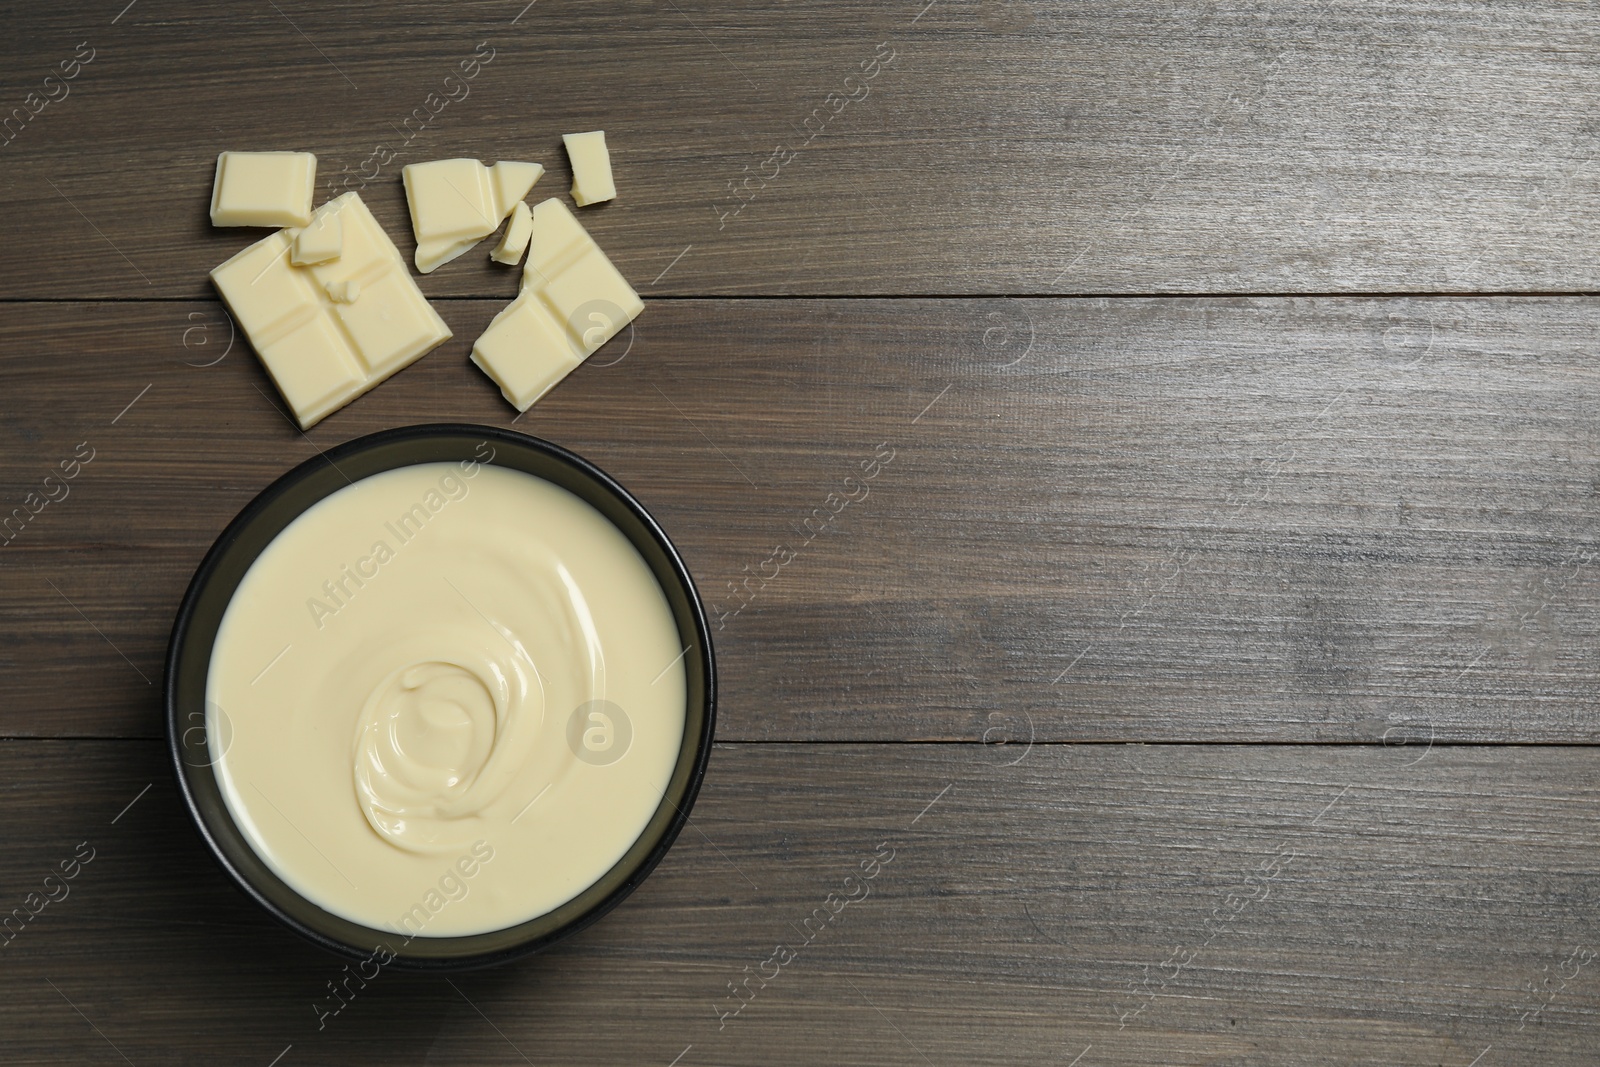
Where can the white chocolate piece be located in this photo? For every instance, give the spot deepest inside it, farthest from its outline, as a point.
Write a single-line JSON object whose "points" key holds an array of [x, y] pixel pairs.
{"points": [[555, 231], [513, 182], [591, 167], [525, 351], [515, 241], [319, 242], [322, 352], [572, 301], [263, 189], [455, 203]]}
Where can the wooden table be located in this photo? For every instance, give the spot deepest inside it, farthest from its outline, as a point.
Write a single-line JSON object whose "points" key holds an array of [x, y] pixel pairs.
{"points": [[1216, 653]]}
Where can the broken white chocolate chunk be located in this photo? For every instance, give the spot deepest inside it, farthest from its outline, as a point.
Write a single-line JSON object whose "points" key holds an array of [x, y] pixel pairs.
{"points": [[555, 232], [344, 292], [455, 203], [263, 189], [323, 351], [573, 301], [591, 167], [319, 242], [515, 241], [513, 182]]}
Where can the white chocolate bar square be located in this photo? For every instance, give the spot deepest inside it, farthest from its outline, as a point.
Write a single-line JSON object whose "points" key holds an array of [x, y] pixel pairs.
{"points": [[312, 367], [592, 297], [266, 293], [387, 325], [263, 189], [525, 351]]}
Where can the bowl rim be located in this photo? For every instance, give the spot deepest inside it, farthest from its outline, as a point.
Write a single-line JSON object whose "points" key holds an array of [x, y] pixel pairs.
{"points": [[690, 766]]}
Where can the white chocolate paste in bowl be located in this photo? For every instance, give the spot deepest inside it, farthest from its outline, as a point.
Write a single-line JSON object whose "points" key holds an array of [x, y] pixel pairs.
{"points": [[446, 699]]}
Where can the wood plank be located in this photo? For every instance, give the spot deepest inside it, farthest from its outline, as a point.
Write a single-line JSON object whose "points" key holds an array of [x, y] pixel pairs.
{"points": [[1244, 519], [1403, 907], [1009, 147]]}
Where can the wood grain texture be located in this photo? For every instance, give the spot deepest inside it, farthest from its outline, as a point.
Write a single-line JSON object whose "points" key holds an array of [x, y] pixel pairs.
{"points": [[1009, 147], [1403, 907], [1225, 377], [1163, 519]]}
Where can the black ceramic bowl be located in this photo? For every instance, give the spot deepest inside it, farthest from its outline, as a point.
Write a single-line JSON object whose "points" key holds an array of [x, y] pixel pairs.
{"points": [[194, 633]]}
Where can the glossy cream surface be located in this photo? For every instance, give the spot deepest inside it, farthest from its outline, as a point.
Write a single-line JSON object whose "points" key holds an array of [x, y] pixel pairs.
{"points": [[446, 699]]}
